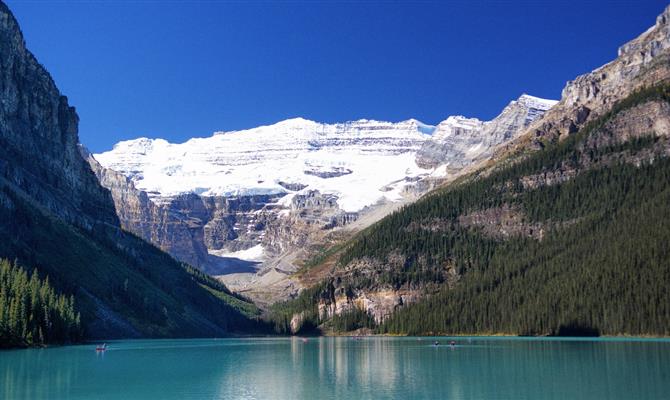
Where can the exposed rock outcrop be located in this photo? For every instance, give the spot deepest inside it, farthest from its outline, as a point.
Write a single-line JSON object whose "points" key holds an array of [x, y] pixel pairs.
{"points": [[502, 222], [379, 304]]}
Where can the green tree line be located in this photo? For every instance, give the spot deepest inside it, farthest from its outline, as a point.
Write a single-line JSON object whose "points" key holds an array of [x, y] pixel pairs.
{"points": [[31, 312]]}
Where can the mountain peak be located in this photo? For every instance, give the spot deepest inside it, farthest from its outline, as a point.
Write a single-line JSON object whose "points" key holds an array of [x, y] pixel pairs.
{"points": [[297, 122], [460, 121], [140, 145], [346, 159], [536, 102]]}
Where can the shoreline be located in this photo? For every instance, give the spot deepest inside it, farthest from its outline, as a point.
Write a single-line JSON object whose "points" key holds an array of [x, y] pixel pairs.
{"points": [[500, 335], [349, 335]]}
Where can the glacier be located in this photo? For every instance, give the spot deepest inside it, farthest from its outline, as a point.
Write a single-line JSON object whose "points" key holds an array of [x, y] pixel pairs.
{"points": [[355, 161]]}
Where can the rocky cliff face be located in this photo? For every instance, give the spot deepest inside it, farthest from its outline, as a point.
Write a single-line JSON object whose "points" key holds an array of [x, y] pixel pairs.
{"points": [[172, 230], [642, 62], [38, 137]]}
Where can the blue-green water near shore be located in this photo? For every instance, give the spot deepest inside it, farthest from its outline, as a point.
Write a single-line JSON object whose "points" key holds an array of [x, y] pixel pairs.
{"points": [[342, 368]]}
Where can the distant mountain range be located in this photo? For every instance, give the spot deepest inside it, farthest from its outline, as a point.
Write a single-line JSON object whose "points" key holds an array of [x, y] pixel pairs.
{"points": [[278, 189]]}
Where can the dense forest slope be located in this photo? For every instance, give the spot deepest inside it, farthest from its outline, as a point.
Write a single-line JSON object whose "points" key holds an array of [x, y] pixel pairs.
{"points": [[566, 232], [599, 265], [31, 312], [55, 217]]}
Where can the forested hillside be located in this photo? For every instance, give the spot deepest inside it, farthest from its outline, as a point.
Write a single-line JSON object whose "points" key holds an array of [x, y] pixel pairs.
{"points": [[571, 239], [31, 312]]}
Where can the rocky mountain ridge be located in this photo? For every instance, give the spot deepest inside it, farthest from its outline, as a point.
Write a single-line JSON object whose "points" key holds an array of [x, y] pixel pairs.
{"points": [[459, 141], [640, 63]]}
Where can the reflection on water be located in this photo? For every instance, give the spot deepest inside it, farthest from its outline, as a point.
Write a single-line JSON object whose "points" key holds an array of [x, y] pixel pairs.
{"points": [[342, 368]]}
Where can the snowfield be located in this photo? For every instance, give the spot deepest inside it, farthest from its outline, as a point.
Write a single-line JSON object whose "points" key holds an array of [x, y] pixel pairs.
{"points": [[356, 161]]}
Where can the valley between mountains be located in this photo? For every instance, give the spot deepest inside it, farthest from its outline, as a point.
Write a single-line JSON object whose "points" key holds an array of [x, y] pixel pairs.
{"points": [[550, 219]]}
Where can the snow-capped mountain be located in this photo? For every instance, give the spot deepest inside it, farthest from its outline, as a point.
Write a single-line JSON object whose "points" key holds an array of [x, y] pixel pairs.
{"points": [[353, 161], [359, 162], [260, 194]]}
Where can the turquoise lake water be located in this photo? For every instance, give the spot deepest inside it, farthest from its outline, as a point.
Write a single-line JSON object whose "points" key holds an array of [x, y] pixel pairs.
{"points": [[342, 368]]}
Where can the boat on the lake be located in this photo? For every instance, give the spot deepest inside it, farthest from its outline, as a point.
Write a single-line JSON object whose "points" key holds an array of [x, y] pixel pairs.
{"points": [[101, 347]]}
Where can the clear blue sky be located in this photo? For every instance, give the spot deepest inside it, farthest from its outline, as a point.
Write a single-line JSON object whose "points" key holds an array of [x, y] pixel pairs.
{"points": [[183, 69]]}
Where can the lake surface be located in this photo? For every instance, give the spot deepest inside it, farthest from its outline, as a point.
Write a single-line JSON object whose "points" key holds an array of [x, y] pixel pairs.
{"points": [[342, 368]]}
